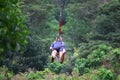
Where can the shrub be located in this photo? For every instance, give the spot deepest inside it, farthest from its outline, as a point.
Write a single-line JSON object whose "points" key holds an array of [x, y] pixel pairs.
{"points": [[5, 74], [35, 76], [105, 74], [55, 67], [98, 55], [81, 66]]}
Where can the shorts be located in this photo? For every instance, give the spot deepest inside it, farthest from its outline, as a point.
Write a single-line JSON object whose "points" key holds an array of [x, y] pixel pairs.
{"points": [[59, 49]]}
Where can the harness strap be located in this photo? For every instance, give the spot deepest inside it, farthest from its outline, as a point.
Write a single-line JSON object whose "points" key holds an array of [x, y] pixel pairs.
{"points": [[59, 28]]}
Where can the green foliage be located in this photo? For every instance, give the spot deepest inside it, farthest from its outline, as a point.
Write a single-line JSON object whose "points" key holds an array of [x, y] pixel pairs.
{"points": [[105, 74], [94, 77], [61, 77], [108, 21], [12, 29], [99, 55], [116, 54], [39, 75], [106, 26], [13, 32], [115, 58], [35, 55], [5, 74], [118, 77], [55, 67], [92, 39], [81, 66], [98, 74], [80, 36], [102, 55], [77, 26], [34, 76]]}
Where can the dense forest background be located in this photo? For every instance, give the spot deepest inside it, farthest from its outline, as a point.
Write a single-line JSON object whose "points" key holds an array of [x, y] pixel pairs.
{"points": [[90, 30]]}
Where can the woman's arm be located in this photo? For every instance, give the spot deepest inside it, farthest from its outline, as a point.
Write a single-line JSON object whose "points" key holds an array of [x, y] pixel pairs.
{"points": [[52, 46]]}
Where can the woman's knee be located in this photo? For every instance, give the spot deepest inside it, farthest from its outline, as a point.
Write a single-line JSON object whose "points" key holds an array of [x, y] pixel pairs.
{"points": [[61, 56], [54, 53]]}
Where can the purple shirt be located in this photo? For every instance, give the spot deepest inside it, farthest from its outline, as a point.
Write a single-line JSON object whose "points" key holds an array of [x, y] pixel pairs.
{"points": [[57, 45]]}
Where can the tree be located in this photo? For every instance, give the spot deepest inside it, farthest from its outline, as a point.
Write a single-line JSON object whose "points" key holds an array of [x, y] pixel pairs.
{"points": [[107, 26], [35, 54], [13, 31]]}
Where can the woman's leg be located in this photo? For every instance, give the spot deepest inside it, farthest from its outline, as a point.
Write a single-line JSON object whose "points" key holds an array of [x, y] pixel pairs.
{"points": [[53, 55], [61, 56]]}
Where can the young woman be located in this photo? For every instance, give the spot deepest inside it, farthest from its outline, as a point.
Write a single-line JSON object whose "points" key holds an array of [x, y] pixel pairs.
{"points": [[58, 48]]}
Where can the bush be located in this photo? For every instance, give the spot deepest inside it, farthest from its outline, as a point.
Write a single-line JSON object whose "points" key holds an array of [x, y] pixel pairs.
{"points": [[13, 33], [55, 67], [5, 74], [38, 75], [105, 74], [34, 76], [81, 66], [98, 74], [98, 55]]}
